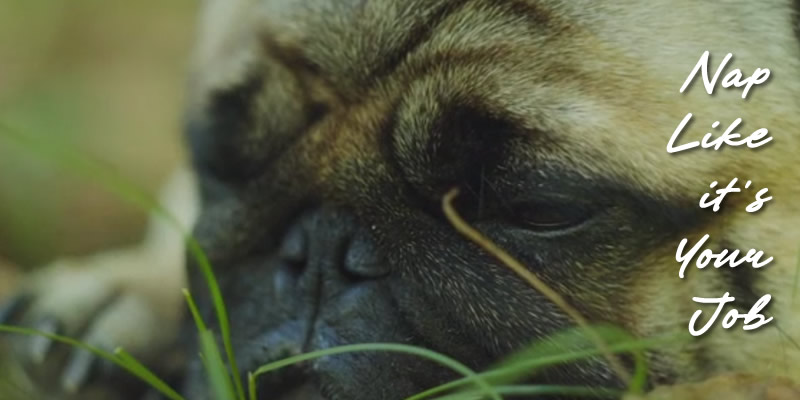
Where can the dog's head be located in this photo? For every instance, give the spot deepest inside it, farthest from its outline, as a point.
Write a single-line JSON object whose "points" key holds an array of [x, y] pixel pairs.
{"points": [[325, 134]]}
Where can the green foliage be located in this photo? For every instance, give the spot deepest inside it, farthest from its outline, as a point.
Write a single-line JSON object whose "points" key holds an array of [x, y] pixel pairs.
{"points": [[223, 376], [442, 359], [119, 357]]}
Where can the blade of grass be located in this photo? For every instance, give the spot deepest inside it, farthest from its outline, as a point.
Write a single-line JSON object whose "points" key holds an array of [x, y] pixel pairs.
{"points": [[575, 339], [478, 238], [63, 155], [122, 359], [470, 375], [251, 385], [527, 366], [135, 367], [198, 320], [541, 390], [796, 279], [222, 315], [219, 379]]}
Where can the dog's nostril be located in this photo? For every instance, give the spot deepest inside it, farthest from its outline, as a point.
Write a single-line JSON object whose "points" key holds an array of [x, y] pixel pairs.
{"points": [[362, 260], [294, 248]]}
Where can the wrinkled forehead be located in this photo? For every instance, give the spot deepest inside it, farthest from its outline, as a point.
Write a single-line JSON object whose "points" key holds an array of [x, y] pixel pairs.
{"points": [[355, 39], [351, 42], [601, 76]]}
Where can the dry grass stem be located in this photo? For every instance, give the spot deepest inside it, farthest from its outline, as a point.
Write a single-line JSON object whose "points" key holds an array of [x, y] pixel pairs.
{"points": [[478, 238]]}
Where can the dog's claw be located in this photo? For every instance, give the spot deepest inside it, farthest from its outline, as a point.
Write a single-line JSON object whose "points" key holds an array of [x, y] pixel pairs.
{"points": [[41, 345], [127, 297], [12, 307], [78, 370]]}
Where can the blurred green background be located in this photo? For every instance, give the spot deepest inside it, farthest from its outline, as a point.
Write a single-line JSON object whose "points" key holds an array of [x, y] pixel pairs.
{"points": [[106, 76]]}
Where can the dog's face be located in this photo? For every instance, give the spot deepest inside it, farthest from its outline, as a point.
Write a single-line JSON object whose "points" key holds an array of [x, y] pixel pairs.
{"points": [[325, 134]]}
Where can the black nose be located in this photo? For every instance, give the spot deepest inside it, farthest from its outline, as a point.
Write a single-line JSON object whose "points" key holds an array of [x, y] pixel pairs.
{"points": [[328, 248]]}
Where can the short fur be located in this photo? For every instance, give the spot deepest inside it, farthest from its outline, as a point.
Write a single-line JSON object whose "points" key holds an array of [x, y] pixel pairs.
{"points": [[379, 107], [351, 119]]}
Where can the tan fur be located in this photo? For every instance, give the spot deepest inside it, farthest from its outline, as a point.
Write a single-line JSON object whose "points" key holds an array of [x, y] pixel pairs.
{"points": [[599, 80], [603, 77]]}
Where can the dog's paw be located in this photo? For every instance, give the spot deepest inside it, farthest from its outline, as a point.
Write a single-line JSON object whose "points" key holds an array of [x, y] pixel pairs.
{"points": [[127, 299]]}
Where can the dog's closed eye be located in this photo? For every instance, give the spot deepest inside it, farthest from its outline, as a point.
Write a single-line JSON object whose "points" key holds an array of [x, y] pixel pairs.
{"points": [[549, 218]]}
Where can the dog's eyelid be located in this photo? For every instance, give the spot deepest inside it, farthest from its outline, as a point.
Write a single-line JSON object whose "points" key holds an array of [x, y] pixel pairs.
{"points": [[550, 183]]}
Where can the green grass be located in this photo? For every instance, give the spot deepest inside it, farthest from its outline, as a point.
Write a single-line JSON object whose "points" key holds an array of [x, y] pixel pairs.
{"points": [[796, 285], [118, 357], [222, 373]]}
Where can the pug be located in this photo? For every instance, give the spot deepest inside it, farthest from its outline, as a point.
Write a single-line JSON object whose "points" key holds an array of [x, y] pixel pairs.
{"points": [[324, 135]]}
